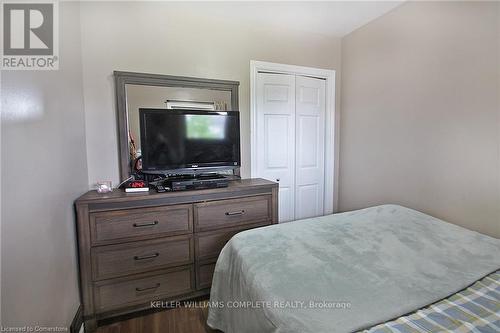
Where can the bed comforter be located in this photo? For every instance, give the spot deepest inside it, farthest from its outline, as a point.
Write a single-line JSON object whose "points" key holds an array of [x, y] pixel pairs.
{"points": [[472, 310], [344, 272]]}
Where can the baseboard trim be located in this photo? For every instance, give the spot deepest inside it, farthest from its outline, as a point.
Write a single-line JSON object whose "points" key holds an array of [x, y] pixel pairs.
{"points": [[77, 322]]}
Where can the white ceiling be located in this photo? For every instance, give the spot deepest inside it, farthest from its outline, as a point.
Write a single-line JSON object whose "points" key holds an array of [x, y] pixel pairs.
{"points": [[330, 18]]}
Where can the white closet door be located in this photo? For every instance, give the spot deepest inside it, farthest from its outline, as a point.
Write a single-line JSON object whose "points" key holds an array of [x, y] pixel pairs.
{"points": [[275, 136], [310, 147]]}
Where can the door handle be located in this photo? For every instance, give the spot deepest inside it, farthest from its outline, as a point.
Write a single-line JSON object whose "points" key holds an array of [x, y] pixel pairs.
{"points": [[238, 213], [148, 256], [143, 225]]}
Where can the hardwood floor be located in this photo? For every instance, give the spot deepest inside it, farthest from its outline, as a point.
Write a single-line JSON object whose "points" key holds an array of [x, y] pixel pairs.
{"points": [[179, 320]]}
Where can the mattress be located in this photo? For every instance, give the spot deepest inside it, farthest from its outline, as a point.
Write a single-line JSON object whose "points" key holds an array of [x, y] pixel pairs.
{"points": [[344, 272]]}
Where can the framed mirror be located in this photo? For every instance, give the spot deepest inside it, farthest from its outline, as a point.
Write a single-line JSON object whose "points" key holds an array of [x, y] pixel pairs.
{"points": [[142, 90]]}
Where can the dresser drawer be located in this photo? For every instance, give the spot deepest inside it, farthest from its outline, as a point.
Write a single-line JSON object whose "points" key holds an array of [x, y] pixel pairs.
{"points": [[224, 213], [140, 223], [116, 260], [114, 294], [204, 275], [209, 244]]}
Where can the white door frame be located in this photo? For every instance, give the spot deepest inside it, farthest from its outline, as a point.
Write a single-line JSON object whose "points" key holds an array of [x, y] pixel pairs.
{"points": [[331, 197]]}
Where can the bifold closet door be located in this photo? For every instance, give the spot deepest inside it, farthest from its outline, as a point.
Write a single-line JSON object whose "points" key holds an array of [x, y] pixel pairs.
{"points": [[275, 136], [310, 114]]}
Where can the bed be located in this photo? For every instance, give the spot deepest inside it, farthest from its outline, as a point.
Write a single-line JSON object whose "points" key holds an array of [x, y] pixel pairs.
{"points": [[347, 272]]}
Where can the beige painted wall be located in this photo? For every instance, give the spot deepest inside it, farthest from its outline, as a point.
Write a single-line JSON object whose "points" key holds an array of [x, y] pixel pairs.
{"points": [[44, 169], [177, 39], [420, 113]]}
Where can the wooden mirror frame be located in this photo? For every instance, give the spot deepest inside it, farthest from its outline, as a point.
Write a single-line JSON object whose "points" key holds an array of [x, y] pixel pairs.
{"points": [[146, 79]]}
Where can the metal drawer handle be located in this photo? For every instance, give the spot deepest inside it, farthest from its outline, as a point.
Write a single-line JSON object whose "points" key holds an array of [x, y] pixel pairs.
{"points": [[142, 225], [148, 288], [238, 213], [148, 256]]}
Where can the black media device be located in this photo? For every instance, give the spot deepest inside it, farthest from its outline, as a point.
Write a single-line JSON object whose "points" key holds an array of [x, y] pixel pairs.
{"points": [[190, 143], [196, 182]]}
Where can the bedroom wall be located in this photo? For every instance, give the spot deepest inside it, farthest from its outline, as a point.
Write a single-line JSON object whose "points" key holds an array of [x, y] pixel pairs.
{"points": [[177, 39], [43, 169], [420, 113]]}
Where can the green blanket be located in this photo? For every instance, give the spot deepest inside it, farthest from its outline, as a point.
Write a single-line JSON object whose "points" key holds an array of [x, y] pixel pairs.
{"points": [[344, 272], [472, 310]]}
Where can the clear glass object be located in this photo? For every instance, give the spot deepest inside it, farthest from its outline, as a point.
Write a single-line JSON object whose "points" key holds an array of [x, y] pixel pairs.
{"points": [[104, 186]]}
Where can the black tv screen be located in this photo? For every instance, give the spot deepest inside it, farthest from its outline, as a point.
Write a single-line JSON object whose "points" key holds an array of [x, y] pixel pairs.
{"points": [[172, 140]]}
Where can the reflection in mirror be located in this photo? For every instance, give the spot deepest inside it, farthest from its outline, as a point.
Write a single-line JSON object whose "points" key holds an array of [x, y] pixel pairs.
{"points": [[143, 96]]}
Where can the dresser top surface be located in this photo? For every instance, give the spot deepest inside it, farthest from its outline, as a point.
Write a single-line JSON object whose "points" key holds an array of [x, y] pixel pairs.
{"points": [[121, 195]]}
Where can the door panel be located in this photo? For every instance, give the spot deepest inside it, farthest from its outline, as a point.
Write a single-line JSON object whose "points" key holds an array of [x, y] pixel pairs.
{"points": [[275, 136], [276, 92], [309, 194], [308, 127], [285, 204], [310, 147], [276, 151]]}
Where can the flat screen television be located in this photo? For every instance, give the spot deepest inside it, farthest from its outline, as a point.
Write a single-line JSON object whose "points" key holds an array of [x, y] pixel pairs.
{"points": [[187, 141]]}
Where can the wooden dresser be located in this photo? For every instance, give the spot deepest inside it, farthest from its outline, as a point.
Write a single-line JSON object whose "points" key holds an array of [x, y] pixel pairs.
{"points": [[136, 248]]}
